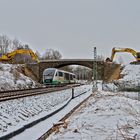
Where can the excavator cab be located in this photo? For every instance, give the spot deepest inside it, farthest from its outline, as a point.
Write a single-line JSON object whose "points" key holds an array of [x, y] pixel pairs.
{"points": [[138, 55], [137, 62]]}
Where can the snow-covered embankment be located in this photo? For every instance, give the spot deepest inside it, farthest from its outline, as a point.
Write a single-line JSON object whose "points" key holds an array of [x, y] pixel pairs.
{"points": [[12, 79]]}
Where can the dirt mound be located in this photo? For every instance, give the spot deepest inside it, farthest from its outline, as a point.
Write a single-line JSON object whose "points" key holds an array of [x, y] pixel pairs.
{"points": [[27, 72]]}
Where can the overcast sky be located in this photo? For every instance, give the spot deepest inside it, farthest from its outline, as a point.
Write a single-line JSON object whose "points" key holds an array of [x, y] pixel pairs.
{"points": [[73, 27]]}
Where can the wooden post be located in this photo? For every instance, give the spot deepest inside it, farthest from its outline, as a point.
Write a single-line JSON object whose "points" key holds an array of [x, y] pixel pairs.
{"points": [[72, 93]]}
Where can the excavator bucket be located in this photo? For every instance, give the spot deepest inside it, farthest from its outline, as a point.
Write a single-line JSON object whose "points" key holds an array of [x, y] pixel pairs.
{"points": [[108, 59], [135, 63]]}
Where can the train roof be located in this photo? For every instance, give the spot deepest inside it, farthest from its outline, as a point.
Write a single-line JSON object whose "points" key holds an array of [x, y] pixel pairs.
{"points": [[58, 70]]}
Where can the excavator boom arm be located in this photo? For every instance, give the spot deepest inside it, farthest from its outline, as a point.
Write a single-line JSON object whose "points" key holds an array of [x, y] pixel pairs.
{"points": [[11, 55], [129, 50]]}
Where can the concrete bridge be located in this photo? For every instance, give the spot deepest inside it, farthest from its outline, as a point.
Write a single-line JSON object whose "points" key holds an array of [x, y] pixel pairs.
{"points": [[103, 68]]}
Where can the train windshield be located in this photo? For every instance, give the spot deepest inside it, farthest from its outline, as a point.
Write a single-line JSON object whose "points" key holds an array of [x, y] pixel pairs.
{"points": [[48, 74]]}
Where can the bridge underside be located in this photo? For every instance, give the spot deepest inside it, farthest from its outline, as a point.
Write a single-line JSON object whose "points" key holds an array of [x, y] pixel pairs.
{"points": [[59, 64]]}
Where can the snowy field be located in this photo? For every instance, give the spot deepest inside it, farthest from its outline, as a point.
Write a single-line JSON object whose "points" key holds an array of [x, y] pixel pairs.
{"points": [[106, 116], [109, 114], [17, 113]]}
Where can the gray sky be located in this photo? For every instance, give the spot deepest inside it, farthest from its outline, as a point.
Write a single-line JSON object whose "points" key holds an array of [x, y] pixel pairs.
{"points": [[73, 27]]}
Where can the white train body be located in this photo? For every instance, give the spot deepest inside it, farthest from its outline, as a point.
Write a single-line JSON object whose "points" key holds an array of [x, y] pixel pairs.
{"points": [[53, 76]]}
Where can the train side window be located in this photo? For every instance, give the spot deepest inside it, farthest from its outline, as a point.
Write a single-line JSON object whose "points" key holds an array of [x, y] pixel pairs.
{"points": [[71, 77], [56, 74], [60, 74], [66, 76]]}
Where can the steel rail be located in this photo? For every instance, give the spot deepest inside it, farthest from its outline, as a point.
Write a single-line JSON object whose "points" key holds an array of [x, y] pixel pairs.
{"points": [[15, 94]]}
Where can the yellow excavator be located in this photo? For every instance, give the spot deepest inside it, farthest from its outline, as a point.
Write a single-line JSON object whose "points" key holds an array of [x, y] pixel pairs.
{"points": [[129, 50], [10, 56]]}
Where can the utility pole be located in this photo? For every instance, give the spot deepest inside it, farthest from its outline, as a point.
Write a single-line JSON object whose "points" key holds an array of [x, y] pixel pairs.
{"points": [[139, 92], [95, 70]]}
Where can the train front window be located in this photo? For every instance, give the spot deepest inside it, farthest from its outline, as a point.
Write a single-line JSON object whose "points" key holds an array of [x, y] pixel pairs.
{"points": [[49, 74], [56, 74]]}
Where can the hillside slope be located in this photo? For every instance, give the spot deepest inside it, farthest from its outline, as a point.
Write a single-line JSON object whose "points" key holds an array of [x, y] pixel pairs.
{"points": [[130, 77], [11, 78]]}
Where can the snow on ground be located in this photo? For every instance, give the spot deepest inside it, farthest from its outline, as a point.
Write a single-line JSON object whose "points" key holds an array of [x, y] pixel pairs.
{"points": [[106, 116], [14, 114], [42, 127], [131, 77], [11, 79]]}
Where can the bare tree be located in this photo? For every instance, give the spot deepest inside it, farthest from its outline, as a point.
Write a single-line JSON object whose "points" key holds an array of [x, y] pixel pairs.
{"points": [[52, 54], [83, 73], [26, 46], [100, 58], [38, 54], [56, 54], [16, 44], [4, 44], [67, 68]]}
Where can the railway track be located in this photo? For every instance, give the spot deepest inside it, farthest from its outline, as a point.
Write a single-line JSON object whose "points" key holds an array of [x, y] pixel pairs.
{"points": [[68, 107], [15, 94]]}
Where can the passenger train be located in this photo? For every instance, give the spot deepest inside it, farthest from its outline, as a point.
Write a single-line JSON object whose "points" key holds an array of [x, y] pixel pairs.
{"points": [[53, 76]]}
